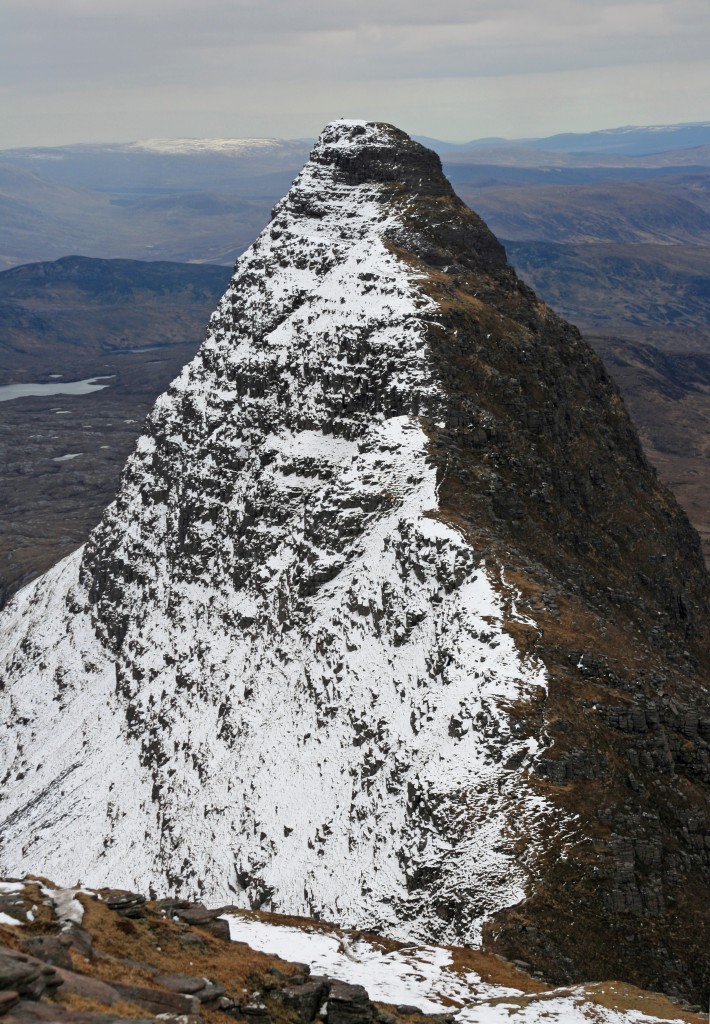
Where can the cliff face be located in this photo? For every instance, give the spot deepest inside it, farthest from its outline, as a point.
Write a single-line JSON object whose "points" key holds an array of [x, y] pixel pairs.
{"points": [[390, 621]]}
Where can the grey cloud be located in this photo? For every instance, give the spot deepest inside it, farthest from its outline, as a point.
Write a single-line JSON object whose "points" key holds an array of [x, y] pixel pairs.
{"points": [[153, 51], [77, 36], [226, 21]]}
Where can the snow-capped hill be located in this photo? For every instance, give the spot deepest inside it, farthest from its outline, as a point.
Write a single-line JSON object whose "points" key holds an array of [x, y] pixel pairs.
{"points": [[190, 146], [631, 140], [356, 636]]}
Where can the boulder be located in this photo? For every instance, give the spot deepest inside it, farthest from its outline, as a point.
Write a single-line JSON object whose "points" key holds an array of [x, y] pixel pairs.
{"points": [[89, 988], [50, 949], [80, 939], [306, 998], [158, 1001], [124, 902], [51, 1013], [27, 976], [184, 983], [211, 994], [8, 999], [348, 1004], [256, 1013], [219, 929]]}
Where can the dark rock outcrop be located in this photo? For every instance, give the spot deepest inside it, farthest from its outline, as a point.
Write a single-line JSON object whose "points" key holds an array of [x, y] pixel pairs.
{"points": [[348, 1004], [307, 998], [28, 977]]}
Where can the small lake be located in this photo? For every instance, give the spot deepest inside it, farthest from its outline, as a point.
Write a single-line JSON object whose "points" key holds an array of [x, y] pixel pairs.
{"points": [[67, 387]]}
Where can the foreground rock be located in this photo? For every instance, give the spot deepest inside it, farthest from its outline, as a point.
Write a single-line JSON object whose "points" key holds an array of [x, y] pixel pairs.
{"points": [[134, 969]]}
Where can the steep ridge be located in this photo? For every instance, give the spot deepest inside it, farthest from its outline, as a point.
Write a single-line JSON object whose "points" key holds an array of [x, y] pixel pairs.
{"points": [[390, 621]]}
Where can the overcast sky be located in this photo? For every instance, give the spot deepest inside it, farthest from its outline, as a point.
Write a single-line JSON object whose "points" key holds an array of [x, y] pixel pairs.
{"points": [[120, 70]]}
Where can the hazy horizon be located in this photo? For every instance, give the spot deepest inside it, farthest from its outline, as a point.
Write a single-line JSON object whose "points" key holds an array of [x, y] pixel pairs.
{"points": [[456, 71], [306, 139]]}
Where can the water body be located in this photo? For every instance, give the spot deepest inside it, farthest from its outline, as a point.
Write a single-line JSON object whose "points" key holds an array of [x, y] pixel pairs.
{"points": [[69, 387], [132, 351], [66, 458]]}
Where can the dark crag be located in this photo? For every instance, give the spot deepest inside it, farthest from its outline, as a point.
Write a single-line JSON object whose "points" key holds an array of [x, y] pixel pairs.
{"points": [[542, 468]]}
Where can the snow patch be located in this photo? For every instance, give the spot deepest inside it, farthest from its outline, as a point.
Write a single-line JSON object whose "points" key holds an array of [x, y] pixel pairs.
{"points": [[416, 975], [67, 908], [226, 146], [425, 976]]}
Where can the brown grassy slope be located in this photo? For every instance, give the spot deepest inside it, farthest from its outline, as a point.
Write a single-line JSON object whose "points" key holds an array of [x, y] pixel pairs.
{"points": [[134, 951], [653, 293]]}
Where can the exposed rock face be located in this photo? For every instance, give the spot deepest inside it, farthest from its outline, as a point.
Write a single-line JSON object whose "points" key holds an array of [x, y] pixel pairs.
{"points": [[385, 595]]}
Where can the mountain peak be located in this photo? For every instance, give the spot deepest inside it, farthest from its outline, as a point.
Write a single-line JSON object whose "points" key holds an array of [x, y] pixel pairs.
{"points": [[374, 151], [390, 621]]}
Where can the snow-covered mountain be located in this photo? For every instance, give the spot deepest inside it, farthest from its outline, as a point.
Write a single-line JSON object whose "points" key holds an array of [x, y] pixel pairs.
{"points": [[383, 575], [303, 645], [227, 146]]}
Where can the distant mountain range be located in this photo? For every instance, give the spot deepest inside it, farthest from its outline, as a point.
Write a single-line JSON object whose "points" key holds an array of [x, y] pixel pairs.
{"points": [[631, 140], [203, 200], [158, 166]]}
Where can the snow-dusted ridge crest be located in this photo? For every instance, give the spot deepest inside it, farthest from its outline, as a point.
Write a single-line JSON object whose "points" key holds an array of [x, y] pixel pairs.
{"points": [[274, 676]]}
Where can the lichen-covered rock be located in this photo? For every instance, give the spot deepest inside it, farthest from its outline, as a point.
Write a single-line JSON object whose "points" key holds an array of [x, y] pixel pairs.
{"points": [[158, 1001], [184, 983], [128, 904], [51, 949]]}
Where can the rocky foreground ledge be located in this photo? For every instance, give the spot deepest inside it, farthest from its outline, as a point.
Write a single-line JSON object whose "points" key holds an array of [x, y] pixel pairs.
{"points": [[79, 956]]}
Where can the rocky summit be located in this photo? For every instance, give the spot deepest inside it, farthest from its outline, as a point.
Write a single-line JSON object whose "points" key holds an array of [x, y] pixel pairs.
{"points": [[390, 623]]}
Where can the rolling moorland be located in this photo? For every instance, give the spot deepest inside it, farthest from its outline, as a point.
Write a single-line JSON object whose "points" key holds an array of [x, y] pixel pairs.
{"points": [[133, 325]]}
